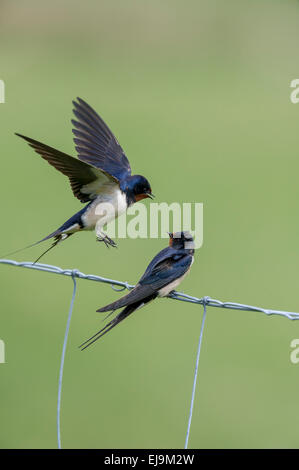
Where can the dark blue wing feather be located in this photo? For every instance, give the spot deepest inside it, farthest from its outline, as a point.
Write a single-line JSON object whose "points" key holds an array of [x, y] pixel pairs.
{"points": [[163, 255], [96, 144]]}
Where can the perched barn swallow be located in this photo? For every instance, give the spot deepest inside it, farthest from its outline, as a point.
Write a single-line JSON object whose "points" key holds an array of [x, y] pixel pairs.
{"points": [[163, 275], [101, 176]]}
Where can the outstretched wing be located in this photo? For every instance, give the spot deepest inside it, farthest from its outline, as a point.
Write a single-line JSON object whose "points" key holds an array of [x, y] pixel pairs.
{"points": [[86, 181], [168, 267], [96, 144]]}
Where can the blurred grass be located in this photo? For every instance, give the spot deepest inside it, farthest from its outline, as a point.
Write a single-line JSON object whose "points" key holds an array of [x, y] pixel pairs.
{"points": [[199, 99]]}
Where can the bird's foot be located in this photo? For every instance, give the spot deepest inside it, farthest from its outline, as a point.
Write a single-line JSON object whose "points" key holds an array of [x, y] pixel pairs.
{"points": [[108, 241]]}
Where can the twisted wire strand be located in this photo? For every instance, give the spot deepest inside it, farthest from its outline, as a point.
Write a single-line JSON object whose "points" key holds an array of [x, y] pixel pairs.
{"points": [[195, 372]]}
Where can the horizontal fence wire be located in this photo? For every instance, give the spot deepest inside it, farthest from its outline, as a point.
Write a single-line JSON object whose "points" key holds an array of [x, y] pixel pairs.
{"points": [[120, 286]]}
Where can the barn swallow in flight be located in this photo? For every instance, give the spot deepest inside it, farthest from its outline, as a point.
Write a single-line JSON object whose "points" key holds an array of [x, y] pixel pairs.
{"points": [[101, 176], [164, 273]]}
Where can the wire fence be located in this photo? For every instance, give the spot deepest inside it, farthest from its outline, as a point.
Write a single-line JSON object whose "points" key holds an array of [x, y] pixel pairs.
{"points": [[120, 286]]}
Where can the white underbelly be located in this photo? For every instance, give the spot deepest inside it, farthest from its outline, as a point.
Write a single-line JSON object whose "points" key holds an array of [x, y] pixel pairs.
{"points": [[104, 209]]}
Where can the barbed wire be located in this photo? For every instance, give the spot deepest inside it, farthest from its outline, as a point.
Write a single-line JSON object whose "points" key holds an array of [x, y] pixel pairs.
{"points": [[120, 286]]}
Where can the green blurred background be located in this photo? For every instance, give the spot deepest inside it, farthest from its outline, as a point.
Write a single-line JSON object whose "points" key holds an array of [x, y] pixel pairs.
{"points": [[198, 94]]}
